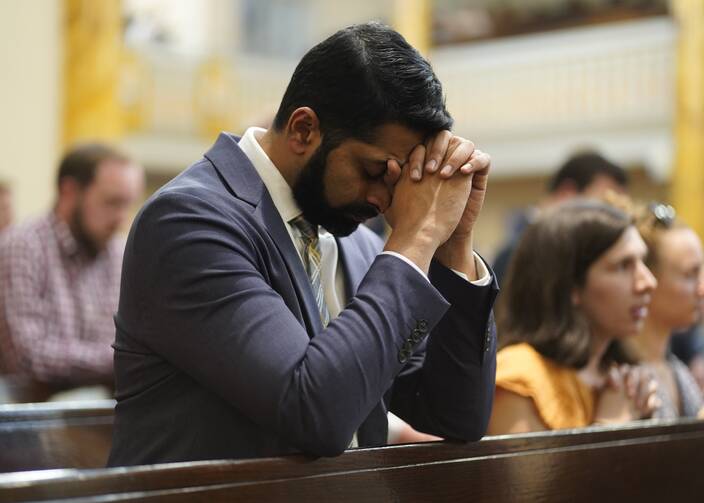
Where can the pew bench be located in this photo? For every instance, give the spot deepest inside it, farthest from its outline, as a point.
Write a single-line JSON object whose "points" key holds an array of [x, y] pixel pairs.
{"points": [[650, 461]]}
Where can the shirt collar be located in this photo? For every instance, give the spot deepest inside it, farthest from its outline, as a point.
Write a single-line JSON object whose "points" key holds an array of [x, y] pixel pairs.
{"points": [[279, 190]]}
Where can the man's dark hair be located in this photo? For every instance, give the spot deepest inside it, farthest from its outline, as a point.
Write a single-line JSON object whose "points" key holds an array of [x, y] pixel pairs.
{"points": [[552, 259], [363, 77], [81, 162], [581, 169]]}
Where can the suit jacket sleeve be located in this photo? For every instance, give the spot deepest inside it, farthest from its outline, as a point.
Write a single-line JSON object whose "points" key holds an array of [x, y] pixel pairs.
{"points": [[202, 300], [447, 388]]}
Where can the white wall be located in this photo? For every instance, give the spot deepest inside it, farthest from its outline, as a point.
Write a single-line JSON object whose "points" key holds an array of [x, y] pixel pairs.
{"points": [[532, 100], [30, 100]]}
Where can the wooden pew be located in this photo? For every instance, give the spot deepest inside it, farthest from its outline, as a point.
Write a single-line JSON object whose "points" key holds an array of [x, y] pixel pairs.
{"points": [[642, 461], [19, 389], [55, 435]]}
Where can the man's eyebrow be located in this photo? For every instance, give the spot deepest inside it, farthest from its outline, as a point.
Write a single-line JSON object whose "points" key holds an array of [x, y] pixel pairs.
{"points": [[379, 161], [380, 164], [384, 156]]}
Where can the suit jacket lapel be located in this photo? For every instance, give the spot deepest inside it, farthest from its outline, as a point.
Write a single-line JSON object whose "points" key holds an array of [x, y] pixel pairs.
{"points": [[279, 234], [235, 169], [244, 182]]}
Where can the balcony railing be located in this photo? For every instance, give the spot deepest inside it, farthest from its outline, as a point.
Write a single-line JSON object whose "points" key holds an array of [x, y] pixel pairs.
{"points": [[529, 100]]}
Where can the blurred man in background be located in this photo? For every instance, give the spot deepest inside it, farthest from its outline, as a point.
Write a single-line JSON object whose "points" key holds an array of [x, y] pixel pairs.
{"points": [[60, 276], [586, 174]]}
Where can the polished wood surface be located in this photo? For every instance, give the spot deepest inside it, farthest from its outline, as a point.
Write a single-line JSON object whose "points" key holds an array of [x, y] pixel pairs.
{"points": [[534, 467], [38, 436], [638, 470]]}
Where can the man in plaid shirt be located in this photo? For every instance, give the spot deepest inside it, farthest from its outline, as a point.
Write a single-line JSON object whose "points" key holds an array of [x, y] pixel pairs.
{"points": [[60, 275]]}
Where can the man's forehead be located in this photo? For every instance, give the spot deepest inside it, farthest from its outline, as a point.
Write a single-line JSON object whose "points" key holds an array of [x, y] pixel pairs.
{"points": [[116, 168], [393, 141], [114, 175], [377, 154]]}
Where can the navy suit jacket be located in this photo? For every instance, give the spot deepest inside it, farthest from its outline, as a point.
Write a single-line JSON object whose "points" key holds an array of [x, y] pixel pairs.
{"points": [[220, 352]]}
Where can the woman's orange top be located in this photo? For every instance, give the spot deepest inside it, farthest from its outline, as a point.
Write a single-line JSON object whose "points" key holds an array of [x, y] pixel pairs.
{"points": [[561, 398]]}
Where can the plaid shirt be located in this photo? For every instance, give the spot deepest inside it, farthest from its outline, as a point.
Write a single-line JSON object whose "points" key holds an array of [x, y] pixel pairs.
{"points": [[56, 305]]}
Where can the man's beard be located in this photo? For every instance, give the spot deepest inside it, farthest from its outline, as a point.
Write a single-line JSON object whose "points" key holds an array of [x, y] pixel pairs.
{"points": [[309, 193], [88, 244]]}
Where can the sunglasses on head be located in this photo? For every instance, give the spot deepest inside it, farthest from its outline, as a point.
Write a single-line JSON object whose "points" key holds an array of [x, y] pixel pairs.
{"points": [[664, 214]]}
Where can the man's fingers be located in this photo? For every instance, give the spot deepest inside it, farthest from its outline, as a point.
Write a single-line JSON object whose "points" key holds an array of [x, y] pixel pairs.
{"points": [[415, 161], [478, 162], [447, 154], [393, 173], [458, 158], [437, 148]]}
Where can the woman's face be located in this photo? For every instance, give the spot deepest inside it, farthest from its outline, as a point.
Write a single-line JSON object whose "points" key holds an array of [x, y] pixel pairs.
{"points": [[677, 301], [617, 289]]}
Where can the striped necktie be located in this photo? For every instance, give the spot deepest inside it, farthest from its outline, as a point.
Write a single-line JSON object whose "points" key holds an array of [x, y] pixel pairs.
{"points": [[308, 235]]}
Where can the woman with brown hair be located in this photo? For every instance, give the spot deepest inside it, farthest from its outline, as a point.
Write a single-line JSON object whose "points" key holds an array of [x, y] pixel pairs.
{"points": [[576, 282], [675, 256]]}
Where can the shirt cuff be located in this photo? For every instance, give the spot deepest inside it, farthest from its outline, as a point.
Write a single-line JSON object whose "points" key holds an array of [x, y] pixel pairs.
{"points": [[407, 261], [482, 269], [482, 272]]}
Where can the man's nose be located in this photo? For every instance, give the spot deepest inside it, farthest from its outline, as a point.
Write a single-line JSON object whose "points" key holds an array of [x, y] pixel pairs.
{"points": [[119, 216], [379, 195]]}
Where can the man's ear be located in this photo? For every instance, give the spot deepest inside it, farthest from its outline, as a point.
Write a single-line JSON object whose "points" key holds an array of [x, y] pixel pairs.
{"points": [[69, 190], [303, 131]]}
